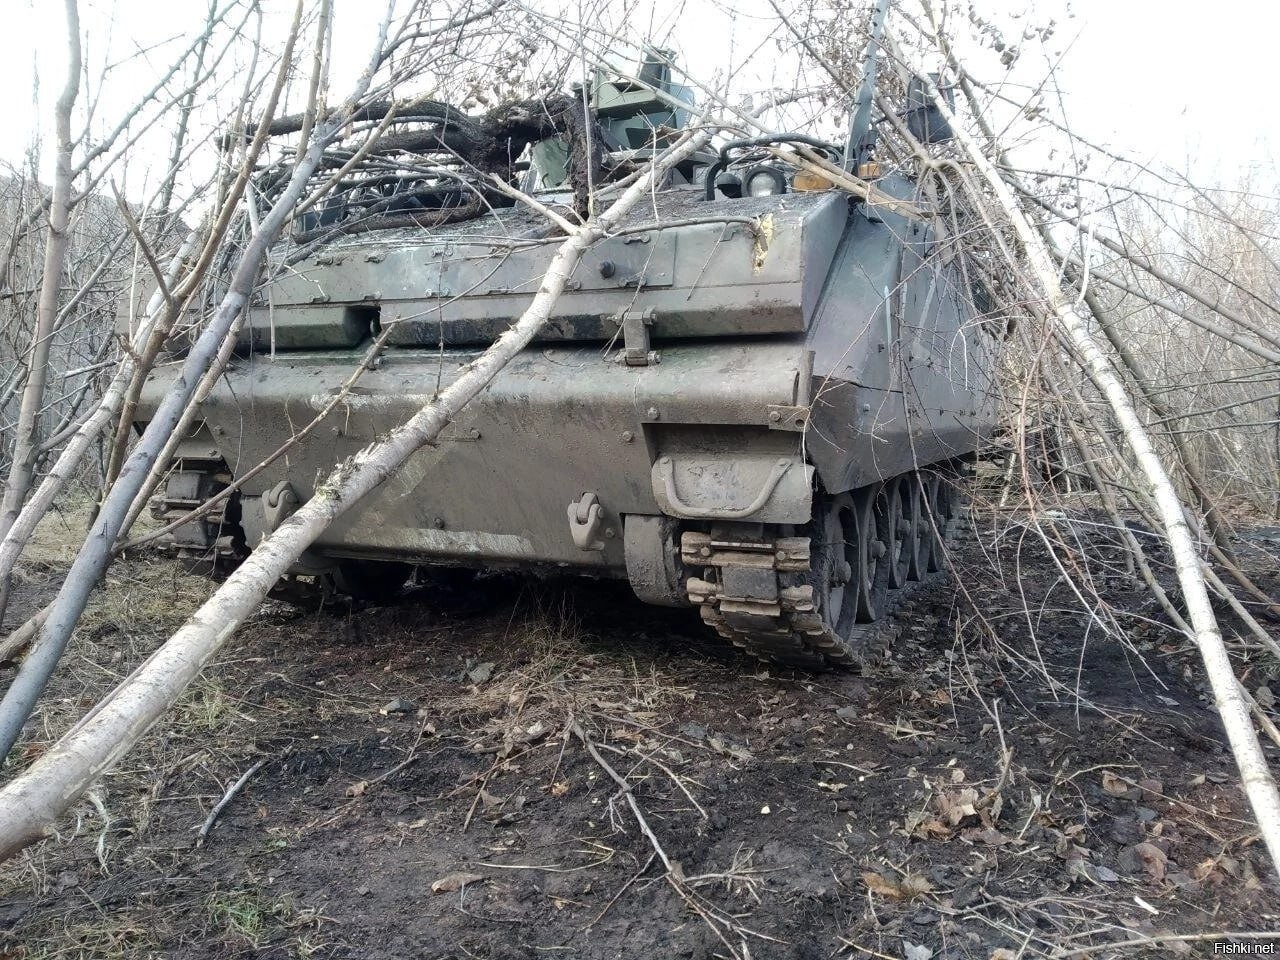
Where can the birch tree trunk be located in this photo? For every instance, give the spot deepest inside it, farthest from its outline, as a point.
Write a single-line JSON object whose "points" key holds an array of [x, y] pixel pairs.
{"points": [[1255, 776], [99, 546], [26, 441], [12, 542], [31, 803]]}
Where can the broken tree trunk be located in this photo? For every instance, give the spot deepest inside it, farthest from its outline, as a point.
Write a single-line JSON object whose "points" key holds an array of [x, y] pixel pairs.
{"points": [[32, 803], [1255, 776]]}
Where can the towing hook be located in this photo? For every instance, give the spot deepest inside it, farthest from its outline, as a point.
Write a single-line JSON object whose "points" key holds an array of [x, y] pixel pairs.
{"points": [[279, 503], [586, 518]]}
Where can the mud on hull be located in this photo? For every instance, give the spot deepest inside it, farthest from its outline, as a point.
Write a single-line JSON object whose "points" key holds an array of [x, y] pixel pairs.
{"points": [[567, 460]]}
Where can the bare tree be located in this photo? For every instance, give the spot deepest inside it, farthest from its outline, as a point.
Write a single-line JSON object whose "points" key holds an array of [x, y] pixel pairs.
{"points": [[1129, 315], [26, 438], [30, 804]]}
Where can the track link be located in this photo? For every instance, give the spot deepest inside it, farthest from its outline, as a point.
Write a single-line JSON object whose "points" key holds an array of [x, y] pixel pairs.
{"points": [[787, 628], [214, 540]]}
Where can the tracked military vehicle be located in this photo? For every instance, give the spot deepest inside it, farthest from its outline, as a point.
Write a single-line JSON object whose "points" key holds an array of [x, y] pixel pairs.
{"points": [[753, 399]]}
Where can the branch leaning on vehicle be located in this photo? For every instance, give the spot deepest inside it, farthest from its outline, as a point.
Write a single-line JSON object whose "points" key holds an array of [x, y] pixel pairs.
{"points": [[1258, 783], [30, 804]]}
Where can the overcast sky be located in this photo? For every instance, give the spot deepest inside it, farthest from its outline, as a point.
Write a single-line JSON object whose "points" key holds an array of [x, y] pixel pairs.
{"points": [[1181, 83]]}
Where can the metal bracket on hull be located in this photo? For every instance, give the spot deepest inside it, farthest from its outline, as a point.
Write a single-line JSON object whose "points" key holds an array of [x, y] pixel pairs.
{"points": [[788, 418], [635, 338], [279, 503], [667, 473]]}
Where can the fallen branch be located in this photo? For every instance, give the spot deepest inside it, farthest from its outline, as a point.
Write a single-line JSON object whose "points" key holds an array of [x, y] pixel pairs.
{"points": [[674, 875], [30, 804], [227, 797], [98, 549], [1039, 278], [1255, 775]]}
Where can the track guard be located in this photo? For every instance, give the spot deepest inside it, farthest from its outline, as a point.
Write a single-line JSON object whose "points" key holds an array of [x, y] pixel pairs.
{"points": [[765, 488]]}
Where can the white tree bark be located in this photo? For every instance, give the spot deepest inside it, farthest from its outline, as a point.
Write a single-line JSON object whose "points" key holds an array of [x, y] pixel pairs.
{"points": [[26, 441], [1256, 778], [31, 803], [99, 546], [55, 481]]}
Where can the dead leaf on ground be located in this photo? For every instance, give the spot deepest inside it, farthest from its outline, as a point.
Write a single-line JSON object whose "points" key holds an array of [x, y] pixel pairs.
{"points": [[956, 806], [1204, 868], [930, 829], [455, 881], [1118, 786], [988, 835], [730, 750], [535, 732], [904, 888], [1153, 859]]}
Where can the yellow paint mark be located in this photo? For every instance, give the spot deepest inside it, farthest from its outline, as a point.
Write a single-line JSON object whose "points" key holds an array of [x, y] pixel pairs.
{"points": [[764, 236]]}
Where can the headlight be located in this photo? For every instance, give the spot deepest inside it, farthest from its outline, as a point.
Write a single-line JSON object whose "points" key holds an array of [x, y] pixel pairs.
{"points": [[730, 184], [764, 182]]}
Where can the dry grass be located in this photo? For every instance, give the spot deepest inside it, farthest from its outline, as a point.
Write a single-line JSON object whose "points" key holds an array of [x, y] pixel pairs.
{"points": [[503, 692], [57, 536], [247, 917], [140, 603], [102, 937]]}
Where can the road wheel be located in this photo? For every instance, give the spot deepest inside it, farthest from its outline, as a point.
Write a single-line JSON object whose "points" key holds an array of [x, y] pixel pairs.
{"points": [[871, 510]]}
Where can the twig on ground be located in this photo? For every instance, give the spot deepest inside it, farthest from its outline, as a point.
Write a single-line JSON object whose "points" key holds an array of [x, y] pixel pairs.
{"points": [[410, 758], [227, 797], [623, 889], [1169, 938], [674, 873]]}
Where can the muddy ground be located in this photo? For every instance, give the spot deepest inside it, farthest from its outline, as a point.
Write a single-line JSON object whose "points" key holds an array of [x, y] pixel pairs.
{"points": [[435, 779]]}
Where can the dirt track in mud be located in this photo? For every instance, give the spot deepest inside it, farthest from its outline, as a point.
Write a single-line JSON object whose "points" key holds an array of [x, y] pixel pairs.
{"points": [[436, 784]]}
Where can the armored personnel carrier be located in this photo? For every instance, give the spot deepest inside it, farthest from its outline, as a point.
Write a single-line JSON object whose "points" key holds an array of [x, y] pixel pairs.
{"points": [[753, 399]]}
